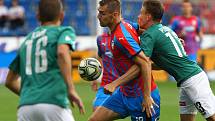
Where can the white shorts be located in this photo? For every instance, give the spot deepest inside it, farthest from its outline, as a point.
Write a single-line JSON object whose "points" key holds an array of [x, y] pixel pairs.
{"points": [[44, 112], [196, 95]]}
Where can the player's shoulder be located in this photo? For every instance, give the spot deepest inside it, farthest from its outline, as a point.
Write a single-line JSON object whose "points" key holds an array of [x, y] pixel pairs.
{"points": [[125, 30], [66, 28], [155, 30]]}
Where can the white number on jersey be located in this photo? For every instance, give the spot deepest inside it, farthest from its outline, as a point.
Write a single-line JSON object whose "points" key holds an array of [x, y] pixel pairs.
{"points": [[178, 45], [41, 62]]}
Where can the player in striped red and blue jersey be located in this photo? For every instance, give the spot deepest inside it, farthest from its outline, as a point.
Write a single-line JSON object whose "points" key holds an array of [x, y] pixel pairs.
{"points": [[137, 96], [188, 27], [125, 46], [109, 71]]}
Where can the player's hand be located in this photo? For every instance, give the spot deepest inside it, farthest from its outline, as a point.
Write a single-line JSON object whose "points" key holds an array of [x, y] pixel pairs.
{"points": [[94, 85], [148, 106], [109, 88], [74, 98]]}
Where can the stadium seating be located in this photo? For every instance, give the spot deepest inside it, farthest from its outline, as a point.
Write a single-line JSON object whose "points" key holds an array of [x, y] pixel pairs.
{"points": [[77, 13]]}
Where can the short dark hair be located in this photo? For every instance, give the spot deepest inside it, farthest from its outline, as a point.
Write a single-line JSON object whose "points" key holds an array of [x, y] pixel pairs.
{"points": [[155, 8], [113, 5], [49, 10]]}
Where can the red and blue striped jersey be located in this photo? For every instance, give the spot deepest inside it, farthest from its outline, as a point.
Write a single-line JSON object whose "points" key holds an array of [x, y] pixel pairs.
{"points": [[187, 29], [104, 51], [124, 46]]}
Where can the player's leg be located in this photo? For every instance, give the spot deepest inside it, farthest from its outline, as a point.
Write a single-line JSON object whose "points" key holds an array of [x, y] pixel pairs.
{"points": [[112, 108], [100, 98], [198, 90], [103, 114], [135, 107], [44, 112], [187, 109]]}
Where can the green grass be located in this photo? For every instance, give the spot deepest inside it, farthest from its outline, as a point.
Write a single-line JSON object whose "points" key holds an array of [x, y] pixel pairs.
{"points": [[169, 103]]}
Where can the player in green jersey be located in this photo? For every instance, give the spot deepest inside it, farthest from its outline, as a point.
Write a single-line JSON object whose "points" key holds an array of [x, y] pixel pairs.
{"points": [[44, 64], [163, 47]]}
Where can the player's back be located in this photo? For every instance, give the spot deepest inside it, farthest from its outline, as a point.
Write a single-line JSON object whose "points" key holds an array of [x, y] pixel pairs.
{"points": [[124, 46], [42, 81], [165, 49]]}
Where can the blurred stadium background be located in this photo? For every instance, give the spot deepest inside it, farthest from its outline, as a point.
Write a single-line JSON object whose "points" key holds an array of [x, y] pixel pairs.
{"points": [[81, 14]]}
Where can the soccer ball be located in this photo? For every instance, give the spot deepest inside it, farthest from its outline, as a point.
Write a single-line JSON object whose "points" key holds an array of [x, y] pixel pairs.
{"points": [[90, 69]]}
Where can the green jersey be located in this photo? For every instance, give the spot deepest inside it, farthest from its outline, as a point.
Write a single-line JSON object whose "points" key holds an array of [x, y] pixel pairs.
{"points": [[36, 63], [163, 46]]}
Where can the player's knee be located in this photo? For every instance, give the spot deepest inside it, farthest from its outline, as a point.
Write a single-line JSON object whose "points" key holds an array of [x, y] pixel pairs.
{"points": [[212, 118]]}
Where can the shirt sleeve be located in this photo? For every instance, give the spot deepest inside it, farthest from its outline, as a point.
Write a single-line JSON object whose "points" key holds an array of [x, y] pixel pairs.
{"points": [[147, 44], [129, 46], [15, 65], [68, 36]]}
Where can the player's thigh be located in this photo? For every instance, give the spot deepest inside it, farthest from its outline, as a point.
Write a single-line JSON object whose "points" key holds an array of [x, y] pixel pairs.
{"points": [[199, 92], [103, 114], [100, 97], [135, 108], [44, 112], [187, 108]]}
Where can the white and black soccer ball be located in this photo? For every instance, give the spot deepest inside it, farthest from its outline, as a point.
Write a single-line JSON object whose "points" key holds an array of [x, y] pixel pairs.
{"points": [[90, 69]]}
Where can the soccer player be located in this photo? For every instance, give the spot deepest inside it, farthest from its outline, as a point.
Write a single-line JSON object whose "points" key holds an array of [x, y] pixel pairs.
{"points": [[188, 27], [162, 45], [109, 71], [44, 64], [133, 98]]}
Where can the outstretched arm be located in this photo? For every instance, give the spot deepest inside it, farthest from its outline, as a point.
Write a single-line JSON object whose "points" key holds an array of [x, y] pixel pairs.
{"points": [[12, 82]]}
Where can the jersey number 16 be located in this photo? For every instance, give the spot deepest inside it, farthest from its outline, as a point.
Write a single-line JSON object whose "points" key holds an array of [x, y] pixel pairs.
{"points": [[40, 55]]}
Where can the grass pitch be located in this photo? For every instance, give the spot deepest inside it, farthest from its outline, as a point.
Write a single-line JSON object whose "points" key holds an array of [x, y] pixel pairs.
{"points": [[169, 102]]}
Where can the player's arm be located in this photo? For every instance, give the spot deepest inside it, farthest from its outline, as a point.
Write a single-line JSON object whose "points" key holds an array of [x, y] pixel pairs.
{"points": [[147, 47], [65, 64], [65, 43], [132, 73], [12, 82], [144, 63]]}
